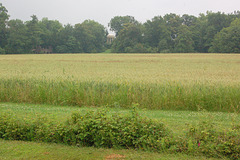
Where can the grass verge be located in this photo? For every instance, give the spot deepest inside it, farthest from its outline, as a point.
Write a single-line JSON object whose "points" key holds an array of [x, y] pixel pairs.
{"points": [[10, 150]]}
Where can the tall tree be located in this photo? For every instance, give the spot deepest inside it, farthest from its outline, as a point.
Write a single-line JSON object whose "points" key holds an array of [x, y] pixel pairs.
{"points": [[117, 23], [199, 31], [184, 42], [189, 20], [128, 38], [228, 39], [50, 30], [34, 32], [156, 31], [173, 22], [91, 35], [3, 23], [216, 22], [63, 36], [207, 26], [18, 42]]}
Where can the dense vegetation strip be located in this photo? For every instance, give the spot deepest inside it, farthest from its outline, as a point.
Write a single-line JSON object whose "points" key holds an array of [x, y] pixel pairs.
{"points": [[170, 96], [99, 129]]}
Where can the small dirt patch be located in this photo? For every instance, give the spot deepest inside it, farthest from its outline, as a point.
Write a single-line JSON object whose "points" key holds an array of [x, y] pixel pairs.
{"points": [[115, 156]]}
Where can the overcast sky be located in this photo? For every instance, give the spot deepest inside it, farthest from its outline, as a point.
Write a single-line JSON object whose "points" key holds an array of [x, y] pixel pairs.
{"points": [[76, 11]]}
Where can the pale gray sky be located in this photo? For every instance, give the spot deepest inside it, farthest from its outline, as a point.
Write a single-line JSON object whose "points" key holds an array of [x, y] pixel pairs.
{"points": [[76, 11]]}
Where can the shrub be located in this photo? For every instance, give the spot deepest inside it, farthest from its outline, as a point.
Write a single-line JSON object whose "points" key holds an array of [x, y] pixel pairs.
{"points": [[100, 129], [2, 51], [95, 128], [129, 131], [205, 139]]}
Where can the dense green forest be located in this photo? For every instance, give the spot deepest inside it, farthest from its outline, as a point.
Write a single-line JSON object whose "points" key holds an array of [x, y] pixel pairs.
{"points": [[171, 33]]}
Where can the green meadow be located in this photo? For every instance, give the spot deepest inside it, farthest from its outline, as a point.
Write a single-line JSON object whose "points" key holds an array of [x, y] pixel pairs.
{"points": [[189, 104], [154, 81]]}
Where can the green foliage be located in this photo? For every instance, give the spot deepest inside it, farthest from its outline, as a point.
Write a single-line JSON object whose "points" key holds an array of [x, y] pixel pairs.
{"points": [[164, 47], [228, 39], [3, 25], [200, 36], [2, 51], [206, 27], [18, 41], [34, 32], [51, 30], [171, 33], [129, 131], [156, 34], [184, 42], [3, 16], [204, 138], [100, 129], [129, 39], [173, 22], [107, 51], [64, 35], [117, 23], [87, 37], [95, 128], [189, 20], [91, 35]]}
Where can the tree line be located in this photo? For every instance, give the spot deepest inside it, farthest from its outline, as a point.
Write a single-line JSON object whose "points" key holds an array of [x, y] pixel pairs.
{"points": [[24, 37], [210, 32], [171, 33]]}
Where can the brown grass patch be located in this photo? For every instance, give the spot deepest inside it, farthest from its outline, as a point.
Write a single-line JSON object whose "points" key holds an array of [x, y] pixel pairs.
{"points": [[115, 156]]}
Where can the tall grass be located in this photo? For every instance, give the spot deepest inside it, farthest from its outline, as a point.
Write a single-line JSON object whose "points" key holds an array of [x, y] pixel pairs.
{"points": [[168, 96]]}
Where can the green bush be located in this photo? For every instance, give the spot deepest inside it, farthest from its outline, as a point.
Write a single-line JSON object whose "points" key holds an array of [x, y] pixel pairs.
{"points": [[2, 51], [95, 128], [205, 139], [27, 129], [129, 131], [100, 129]]}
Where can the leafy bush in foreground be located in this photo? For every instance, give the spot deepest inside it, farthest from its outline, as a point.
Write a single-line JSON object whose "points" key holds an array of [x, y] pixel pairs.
{"points": [[100, 129], [205, 139], [129, 131], [95, 128]]}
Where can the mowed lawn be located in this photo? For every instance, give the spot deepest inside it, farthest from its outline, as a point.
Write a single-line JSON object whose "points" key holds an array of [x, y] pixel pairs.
{"points": [[14, 150]]}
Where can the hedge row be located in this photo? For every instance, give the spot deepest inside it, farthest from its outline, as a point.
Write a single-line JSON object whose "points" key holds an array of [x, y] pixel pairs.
{"points": [[99, 129]]}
